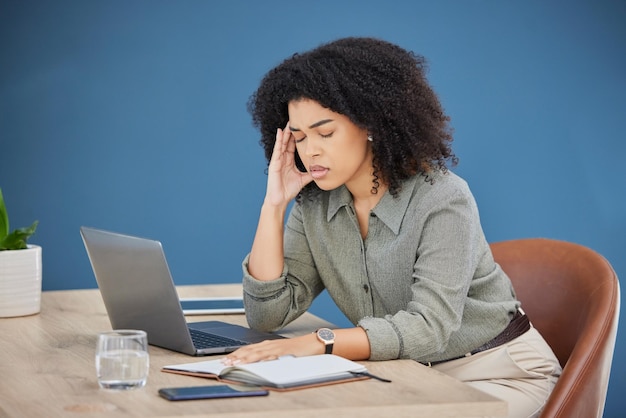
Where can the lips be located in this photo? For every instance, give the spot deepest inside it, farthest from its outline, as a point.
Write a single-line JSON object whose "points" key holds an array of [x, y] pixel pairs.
{"points": [[317, 171]]}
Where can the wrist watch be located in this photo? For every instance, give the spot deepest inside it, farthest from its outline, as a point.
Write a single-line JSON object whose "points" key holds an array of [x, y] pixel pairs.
{"points": [[326, 336]]}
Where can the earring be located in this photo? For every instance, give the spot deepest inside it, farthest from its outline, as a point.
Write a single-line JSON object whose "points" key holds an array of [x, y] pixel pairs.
{"points": [[370, 138]]}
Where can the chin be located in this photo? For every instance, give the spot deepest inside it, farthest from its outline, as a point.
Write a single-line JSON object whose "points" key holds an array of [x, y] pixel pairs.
{"points": [[326, 185]]}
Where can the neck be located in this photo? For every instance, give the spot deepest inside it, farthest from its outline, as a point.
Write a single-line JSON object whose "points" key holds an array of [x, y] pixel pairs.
{"points": [[362, 184], [364, 198]]}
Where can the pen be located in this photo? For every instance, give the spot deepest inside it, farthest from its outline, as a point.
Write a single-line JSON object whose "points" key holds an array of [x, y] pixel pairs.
{"points": [[373, 376]]}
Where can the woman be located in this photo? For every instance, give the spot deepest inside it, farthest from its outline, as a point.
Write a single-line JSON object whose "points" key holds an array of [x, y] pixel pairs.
{"points": [[353, 131]]}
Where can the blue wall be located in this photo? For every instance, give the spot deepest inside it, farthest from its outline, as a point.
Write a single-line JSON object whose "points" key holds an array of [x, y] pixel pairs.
{"points": [[130, 116]]}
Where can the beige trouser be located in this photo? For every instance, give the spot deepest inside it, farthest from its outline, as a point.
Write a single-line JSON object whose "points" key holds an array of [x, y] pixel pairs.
{"points": [[522, 372]]}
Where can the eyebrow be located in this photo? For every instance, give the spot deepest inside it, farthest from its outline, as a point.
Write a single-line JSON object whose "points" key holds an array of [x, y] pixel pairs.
{"points": [[315, 125]]}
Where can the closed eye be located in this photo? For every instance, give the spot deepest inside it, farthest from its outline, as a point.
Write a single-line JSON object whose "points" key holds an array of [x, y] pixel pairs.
{"points": [[327, 135]]}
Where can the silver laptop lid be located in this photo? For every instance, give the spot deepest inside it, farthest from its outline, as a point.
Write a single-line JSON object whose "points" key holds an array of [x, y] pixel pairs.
{"points": [[137, 287]]}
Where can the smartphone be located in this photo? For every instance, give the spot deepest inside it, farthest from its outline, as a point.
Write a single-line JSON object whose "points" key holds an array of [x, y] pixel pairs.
{"points": [[212, 306], [207, 392]]}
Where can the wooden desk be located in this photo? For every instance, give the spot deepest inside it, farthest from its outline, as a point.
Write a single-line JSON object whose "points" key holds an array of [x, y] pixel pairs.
{"points": [[47, 370]]}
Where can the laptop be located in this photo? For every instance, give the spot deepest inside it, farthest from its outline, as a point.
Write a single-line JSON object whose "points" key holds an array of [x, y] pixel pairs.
{"points": [[139, 293]]}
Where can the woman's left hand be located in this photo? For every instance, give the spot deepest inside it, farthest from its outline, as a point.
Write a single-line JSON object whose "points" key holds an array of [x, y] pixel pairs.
{"points": [[306, 345]]}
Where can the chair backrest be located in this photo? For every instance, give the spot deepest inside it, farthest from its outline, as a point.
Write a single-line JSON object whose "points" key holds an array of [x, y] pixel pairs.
{"points": [[571, 295]]}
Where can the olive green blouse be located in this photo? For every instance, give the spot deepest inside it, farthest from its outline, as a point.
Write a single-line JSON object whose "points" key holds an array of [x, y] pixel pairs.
{"points": [[423, 284]]}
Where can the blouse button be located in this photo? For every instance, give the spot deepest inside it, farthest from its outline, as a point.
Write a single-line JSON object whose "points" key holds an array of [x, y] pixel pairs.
{"points": [[366, 288]]}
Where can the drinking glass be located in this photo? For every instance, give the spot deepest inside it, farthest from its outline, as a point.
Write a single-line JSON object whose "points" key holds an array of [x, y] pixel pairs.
{"points": [[122, 360]]}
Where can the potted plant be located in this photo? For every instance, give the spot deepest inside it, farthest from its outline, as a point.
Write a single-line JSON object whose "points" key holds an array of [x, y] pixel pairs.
{"points": [[20, 269]]}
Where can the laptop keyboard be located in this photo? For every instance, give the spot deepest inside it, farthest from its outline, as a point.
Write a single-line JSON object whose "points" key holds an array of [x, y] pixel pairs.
{"points": [[204, 340]]}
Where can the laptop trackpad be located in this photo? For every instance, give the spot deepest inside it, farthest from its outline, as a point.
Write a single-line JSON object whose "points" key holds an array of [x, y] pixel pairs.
{"points": [[236, 332]]}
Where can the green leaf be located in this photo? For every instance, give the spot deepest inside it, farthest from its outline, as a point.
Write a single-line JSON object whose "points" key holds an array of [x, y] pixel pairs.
{"points": [[16, 240], [4, 218]]}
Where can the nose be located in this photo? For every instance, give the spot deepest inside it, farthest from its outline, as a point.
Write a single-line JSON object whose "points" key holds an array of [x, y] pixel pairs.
{"points": [[311, 147]]}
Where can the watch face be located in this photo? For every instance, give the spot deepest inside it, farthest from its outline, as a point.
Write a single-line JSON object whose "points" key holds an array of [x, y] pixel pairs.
{"points": [[326, 334]]}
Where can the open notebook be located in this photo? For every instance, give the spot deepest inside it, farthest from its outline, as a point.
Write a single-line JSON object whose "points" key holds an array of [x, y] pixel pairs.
{"points": [[286, 373]]}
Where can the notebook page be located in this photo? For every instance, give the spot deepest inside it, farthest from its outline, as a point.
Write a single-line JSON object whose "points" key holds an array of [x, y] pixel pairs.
{"points": [[289, 370], [211, 367]]}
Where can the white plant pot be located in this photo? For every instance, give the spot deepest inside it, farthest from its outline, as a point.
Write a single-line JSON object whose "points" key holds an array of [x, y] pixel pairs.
{"points": [[20, 282]]}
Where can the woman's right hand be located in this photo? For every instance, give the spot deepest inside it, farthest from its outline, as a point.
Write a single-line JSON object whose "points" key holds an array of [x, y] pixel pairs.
{"points": [[284, 180]]}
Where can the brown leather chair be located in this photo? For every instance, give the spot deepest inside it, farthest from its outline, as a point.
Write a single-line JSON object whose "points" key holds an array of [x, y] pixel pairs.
{"points": [[572, 296]]}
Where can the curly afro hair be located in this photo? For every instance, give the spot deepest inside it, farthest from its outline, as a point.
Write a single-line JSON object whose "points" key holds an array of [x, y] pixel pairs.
{"points": [[380, 87]]}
